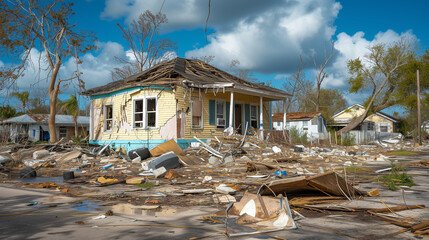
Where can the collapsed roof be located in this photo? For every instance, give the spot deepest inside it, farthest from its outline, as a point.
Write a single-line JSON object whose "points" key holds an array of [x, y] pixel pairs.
{"points": [[189, 73]]}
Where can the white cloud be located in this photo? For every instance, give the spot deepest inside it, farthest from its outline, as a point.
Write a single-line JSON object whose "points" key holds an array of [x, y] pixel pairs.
{"points": [[272, 41], [96, 67], [356, 46]]}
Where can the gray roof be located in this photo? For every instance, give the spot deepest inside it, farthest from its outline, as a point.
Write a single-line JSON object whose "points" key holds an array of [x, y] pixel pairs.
{"points": [[63, 120]]}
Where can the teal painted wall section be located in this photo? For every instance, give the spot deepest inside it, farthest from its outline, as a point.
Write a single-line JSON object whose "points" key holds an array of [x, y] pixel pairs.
{"points": [[129, 145]]}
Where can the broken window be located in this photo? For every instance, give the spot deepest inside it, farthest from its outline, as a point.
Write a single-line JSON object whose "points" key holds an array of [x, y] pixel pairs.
{"points": [[108, 117], [197, 113], [254, 116], [63, 132], [151, 112], [145, 112], [138, 113], [220, 114]]}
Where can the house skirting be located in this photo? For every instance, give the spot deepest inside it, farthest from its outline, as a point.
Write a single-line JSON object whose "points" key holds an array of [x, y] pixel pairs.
{"points": [[129, 145]]}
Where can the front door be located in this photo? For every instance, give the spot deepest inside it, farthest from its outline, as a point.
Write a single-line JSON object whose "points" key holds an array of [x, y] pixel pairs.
{"points": [[238, 118]]}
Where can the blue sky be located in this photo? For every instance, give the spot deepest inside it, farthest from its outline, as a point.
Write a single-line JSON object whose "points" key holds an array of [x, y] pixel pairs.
{"points": [[267, 37]]}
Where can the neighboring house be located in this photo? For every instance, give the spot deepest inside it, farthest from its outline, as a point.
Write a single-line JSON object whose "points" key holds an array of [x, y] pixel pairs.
{"points": [[36, 126], [177, 99], [312, 123], [378, 122]]}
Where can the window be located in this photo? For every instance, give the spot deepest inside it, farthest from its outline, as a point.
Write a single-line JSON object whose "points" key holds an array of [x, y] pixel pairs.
{"points": [[108, 117], [151, 112], [197, 113], [384, 127], [220, 114], [305, 125], [63, 132], [370, 126], [138, 113], [144, 114], [287, 125], [254, 116]]}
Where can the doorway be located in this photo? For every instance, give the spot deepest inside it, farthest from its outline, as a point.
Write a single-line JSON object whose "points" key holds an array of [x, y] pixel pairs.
{"points": [[238, 118]]}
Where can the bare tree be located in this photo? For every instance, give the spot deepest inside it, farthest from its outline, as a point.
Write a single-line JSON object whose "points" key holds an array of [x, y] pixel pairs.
{"points": [[146, 46], [206, 59], [45, 24], [379, 75], [295, 85], [244, 74], [320, 71]]}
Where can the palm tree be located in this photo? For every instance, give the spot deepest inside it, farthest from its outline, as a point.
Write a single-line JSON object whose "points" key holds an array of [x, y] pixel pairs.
{"points": [[23, 97], [71, 107]]}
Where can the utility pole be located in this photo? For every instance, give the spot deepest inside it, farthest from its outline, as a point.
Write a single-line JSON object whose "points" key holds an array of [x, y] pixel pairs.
{"points": [[419, 117]]}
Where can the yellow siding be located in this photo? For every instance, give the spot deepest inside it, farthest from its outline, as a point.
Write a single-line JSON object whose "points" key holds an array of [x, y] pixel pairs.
{"points": [[122, 115], [378, 119], [350, 114], [353, 113], [167, 109]]}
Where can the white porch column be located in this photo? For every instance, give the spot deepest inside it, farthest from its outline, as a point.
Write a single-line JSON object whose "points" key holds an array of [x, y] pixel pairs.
{"points": [[261, 118], [91, 117], [231, 110], [284, 113]]}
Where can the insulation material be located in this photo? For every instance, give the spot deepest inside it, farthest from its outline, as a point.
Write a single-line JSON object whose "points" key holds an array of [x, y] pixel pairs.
{"points": [[168, 131]]}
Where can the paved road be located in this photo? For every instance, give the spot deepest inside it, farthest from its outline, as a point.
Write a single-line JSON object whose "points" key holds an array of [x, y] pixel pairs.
{"points": [[58, 217]]}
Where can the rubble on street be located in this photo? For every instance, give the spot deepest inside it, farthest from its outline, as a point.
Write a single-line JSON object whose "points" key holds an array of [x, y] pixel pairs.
{"points": [[265, 186]]}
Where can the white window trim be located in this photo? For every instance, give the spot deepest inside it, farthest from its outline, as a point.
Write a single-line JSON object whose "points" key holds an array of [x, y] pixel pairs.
{"points": [[305, 125], [105, 119], [224, 111], [257, 113], [202, 115], [144, 98]]}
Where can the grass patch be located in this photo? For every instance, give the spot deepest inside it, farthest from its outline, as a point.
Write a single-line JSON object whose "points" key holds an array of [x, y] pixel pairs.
{"points": [[356, 169], [146, 185], [397, 177], [402, 153]]}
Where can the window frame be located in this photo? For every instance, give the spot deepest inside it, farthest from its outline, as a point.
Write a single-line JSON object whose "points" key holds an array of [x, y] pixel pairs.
{"points": [[223, 112], [59, 132], [202, 114], [145, 112], [305, 125], [105, 119], [250, 114], [384, 125]]}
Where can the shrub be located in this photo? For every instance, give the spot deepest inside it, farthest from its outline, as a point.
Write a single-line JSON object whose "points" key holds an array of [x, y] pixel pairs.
{"points": [[298, 136], [397, 177], [348, 139]]}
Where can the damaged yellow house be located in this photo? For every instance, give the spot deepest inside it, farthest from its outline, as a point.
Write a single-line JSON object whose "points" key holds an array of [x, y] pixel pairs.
{"points": [[177, 99]]}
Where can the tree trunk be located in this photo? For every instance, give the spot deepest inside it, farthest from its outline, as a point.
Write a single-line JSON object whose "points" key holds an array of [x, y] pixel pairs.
{"points": [[355, 122], [52, 113], [317, 97], [75, 127]]}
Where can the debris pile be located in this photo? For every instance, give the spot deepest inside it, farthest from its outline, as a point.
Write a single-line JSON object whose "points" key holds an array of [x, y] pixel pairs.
{"points": [[261, 185]]}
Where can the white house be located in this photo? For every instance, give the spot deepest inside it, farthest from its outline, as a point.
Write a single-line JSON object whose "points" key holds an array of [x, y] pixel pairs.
{"points": [[35, 127], [312, 123]]}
